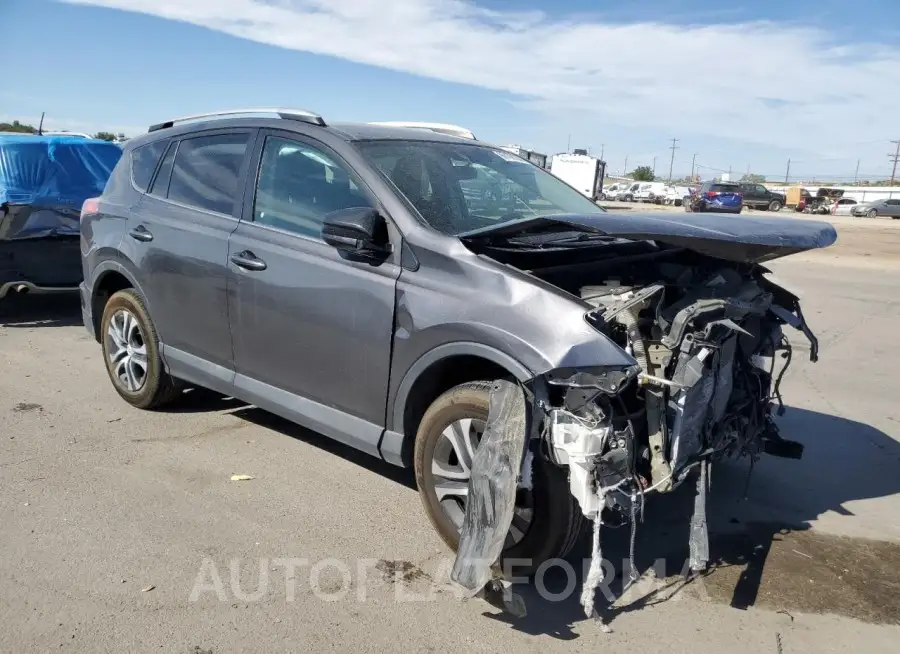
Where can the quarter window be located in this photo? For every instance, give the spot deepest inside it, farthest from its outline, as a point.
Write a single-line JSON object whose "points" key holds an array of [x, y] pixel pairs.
{"points": [[161, 182], [143, 162], [206, 171], [299, 185]]}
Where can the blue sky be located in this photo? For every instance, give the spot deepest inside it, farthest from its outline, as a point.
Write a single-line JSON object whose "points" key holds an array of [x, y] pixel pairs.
{"points": [[743, 84]]}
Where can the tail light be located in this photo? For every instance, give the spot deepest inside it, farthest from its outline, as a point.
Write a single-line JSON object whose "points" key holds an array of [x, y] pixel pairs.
{"points": [[90, 207], [711, 194]]}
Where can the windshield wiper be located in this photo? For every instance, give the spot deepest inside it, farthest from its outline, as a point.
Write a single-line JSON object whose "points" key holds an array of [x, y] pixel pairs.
{"points": [[562, 241]]}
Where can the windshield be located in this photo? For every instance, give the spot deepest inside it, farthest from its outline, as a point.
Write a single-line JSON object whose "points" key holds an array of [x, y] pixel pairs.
{"points": [[458, 188]]}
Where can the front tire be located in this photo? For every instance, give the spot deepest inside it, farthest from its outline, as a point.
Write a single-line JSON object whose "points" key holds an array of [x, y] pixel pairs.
{"points": [[872, 213], [547, 520], [131, 352]]}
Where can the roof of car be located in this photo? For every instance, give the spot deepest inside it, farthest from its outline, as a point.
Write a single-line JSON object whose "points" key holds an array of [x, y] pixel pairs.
{"points": [[371, 132]]}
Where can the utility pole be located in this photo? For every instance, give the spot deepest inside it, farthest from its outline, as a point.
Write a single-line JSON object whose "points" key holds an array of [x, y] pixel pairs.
{"points": [[693, 161], [602, 148], [787, 173], [625, 169], [894, 157], [569, 143], [654, 166], [672, 160], [856, 176]]}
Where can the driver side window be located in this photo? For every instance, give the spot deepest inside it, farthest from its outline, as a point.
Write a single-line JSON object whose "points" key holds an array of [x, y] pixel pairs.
{"points": [[298, 185]]}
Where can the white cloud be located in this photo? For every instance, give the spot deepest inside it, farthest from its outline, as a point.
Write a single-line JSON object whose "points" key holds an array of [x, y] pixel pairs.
{"points": [[765, 82]]}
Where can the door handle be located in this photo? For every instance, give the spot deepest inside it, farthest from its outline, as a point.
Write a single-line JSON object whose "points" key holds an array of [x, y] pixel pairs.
{"points": [[248, 261], [141, 233]]}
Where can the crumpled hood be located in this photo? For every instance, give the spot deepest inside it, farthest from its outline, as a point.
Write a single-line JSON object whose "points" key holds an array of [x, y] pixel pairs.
{"points": [[730, 237]]}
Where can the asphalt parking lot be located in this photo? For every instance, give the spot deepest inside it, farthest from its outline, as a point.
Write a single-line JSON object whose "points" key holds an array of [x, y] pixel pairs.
{"points": [[123, 530]]}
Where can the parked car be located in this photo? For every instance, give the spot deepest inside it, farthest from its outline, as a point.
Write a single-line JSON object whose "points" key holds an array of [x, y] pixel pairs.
{"points": [[882, 207], [675, 195], [627, 194], [337, 275], [43, 182], [842, 207], [612, 191], [650, 192], [720, 197], [757, 196]]}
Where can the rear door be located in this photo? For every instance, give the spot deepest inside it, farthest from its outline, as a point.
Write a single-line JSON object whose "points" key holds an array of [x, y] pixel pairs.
{"points": [[179, 241], [312, 331], [751, 194], [892, 208]]}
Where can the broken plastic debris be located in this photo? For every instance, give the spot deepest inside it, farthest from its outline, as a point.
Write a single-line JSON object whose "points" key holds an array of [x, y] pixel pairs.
{"points": [[148, 588], [595, 573], [492, 487], [242, 477]]}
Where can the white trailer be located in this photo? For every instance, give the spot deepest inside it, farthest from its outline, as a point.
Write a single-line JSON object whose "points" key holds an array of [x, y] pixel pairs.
{"points": [[538, 159], [581, 171]]}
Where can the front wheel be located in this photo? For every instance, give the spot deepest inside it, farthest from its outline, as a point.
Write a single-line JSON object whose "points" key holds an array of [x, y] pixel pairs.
{"points": [[131, 352], [872, 213], [547, 519]]}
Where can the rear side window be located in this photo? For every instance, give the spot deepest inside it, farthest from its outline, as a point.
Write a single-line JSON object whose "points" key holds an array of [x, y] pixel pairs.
{"points": [[161, 183], [206, 171], [143, 163]]}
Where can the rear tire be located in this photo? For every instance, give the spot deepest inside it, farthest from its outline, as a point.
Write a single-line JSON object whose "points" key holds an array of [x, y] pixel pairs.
{"points": [[872, 213], [131, 352], [556, 519], [775, 205]]}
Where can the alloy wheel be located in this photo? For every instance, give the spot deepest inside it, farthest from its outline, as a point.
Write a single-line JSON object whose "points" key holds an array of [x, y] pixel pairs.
{"points": [[127, 350], [451, 468]]}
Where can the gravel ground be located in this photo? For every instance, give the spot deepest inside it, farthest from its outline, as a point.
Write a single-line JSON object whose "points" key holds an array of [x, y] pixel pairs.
{"points": [[122, 530]]}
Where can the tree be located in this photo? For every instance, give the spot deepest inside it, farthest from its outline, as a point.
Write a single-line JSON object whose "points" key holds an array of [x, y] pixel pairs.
{"points": [[16, 126], [642, 174], [105, 136], [753, 178]]}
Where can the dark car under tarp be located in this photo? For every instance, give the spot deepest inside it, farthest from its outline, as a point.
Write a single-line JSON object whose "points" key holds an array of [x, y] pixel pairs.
{"points": [[43, 182]]}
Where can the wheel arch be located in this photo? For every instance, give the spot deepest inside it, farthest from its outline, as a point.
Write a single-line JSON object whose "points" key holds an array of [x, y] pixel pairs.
{"points": [[109, 278], [434, 373]]}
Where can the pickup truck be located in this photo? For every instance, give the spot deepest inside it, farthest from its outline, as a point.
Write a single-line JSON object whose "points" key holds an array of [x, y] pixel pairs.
{"points": [[757, 196]]}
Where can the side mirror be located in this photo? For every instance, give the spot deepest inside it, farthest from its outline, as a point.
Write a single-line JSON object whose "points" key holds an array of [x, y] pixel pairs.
{"points": [[359, 233]]}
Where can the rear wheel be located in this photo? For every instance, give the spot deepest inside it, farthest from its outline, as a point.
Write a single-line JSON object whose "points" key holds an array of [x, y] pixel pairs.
{"points": [[872, 213], [131, 352], [775, 205], [547, 519]]}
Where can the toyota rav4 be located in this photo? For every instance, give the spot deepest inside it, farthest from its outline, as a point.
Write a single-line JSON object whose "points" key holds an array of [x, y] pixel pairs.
{"points": [[535, 359]]}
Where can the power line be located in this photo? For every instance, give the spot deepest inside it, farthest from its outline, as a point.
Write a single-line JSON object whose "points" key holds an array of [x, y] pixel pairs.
{"points": [[672, 160], [894, 157]]}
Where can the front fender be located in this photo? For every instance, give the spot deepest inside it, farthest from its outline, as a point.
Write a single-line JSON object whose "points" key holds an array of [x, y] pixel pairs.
{"points": [[459, 348]]}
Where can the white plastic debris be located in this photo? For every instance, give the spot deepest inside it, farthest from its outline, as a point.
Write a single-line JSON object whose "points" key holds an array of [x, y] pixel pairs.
{"points": [[577, 443]]}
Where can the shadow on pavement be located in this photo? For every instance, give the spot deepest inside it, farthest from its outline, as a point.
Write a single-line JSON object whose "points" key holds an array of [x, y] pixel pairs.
{"points": [[403, 476], [763, 552], [29, 311], [202, 400]]}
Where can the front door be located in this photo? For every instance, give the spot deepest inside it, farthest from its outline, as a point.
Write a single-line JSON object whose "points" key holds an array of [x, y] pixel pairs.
{"points": [[311, 330]]}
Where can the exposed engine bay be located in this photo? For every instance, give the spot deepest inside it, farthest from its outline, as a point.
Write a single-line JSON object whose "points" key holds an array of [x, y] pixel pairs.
{"points": [[708, 339], [711, 354]]}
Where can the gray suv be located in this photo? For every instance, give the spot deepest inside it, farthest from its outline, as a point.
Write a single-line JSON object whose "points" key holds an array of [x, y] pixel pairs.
{"points": [[363, 281]]}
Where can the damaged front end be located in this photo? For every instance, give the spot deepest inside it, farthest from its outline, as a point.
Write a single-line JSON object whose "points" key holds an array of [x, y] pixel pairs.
{"points": [[710, 354]]}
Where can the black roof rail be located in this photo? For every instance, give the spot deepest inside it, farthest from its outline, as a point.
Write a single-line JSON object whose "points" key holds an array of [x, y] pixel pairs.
{"points": [[288, 114]]}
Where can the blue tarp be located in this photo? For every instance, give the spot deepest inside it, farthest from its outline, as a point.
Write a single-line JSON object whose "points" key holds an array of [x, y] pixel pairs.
{"points": [[53, 175], [54, 169]]}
